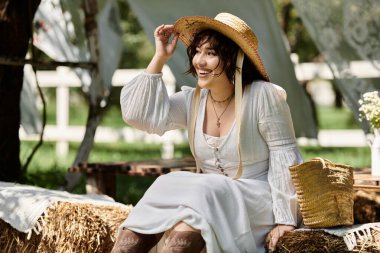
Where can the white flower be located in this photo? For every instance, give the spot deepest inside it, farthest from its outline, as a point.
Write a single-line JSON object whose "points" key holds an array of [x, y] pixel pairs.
{"points": [[370, 108]]}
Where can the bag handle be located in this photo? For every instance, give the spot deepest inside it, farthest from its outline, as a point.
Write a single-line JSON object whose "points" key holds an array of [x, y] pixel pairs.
{"points": [[238, 102], [193, 118], [323, 161]]}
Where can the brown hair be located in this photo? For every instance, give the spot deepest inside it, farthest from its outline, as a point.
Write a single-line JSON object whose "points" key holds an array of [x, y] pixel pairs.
{"points": [[226, 50]]}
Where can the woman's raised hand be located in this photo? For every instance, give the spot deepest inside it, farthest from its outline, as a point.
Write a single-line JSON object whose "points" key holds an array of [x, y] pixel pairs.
{"points": [[166, 41]]}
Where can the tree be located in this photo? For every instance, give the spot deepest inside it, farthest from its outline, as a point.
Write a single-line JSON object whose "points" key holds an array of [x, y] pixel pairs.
{"points": [[15, 32], [138, 50], [299, 40]]}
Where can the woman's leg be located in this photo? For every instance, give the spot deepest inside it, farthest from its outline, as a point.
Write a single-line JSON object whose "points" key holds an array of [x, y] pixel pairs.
{"points": [[184, 239], [133, 242]]}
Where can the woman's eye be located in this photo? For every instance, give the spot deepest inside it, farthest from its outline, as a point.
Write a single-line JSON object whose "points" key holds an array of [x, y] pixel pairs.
{"points": [[212, 53]]}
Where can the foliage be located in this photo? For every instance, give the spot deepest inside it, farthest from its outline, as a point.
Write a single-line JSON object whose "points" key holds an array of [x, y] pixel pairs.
{"points": [[137, 48], [299, 40], [370, 108]]}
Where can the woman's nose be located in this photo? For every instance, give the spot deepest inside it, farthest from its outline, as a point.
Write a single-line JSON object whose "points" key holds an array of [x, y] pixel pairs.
{"points": [[200, 60]]}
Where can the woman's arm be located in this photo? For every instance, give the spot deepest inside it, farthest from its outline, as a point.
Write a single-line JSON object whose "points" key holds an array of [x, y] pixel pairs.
{"points": [[276, 127], [146, 105], [144, 100]]}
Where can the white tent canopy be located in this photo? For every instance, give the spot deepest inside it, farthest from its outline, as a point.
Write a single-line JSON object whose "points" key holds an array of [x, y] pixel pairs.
{"points": [[261, 17]]}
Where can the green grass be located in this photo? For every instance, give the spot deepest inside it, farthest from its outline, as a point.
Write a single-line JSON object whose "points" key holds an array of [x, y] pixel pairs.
{"points": [[356, 157], [336, 118]]}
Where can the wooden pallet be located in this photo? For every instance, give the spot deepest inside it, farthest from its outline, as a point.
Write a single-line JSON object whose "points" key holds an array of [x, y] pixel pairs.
{"points": [[363, 180], [101, 177]]}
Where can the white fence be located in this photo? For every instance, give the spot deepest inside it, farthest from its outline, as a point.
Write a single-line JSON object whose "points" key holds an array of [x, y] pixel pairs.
{"points": [[63, 79]]}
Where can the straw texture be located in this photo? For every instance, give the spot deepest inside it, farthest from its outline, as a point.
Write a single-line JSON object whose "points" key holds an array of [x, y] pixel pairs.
{"points": [[325, 192], [230, 26], [322, 242], [67, 227]]}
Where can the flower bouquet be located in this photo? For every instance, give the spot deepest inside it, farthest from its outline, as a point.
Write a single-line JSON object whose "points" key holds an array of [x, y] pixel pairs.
{"points": [[370, 110]]}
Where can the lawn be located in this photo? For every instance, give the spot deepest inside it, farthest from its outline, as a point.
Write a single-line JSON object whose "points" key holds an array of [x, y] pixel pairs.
{"points": [[336, 118]]}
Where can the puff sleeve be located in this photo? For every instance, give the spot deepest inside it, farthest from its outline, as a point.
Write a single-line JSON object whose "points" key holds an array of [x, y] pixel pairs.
{"points": [[145, 105], [276, 127]]}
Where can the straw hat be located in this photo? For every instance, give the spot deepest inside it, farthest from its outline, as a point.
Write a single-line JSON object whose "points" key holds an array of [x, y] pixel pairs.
{"points": [[228, 25]]}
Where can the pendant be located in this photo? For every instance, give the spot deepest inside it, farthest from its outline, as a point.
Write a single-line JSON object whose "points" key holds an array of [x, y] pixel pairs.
{"points": [[218, 123]]}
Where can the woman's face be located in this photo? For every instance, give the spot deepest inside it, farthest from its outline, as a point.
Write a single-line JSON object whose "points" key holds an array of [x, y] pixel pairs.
{"points": [[208, 66]]}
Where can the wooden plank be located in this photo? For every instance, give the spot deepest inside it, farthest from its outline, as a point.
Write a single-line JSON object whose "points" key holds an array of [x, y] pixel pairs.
{"points": [[101, 183], [101, 177], [367, 178], [363, 187], [363, 180]]}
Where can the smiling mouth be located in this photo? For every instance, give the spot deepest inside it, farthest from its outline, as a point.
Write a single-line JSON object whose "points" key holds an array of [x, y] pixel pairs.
{"points": [[203, 73]]}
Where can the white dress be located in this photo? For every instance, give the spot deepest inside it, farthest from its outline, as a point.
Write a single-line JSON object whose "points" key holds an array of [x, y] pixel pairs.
{"points": [[232, 215]]}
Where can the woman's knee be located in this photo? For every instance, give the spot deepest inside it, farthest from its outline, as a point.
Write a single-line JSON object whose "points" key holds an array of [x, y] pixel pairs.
{"points": [[183, 241], [132, 242]]}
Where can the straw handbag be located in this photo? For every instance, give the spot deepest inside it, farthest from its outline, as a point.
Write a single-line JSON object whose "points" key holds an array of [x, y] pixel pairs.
{"points": [[325, 192]]}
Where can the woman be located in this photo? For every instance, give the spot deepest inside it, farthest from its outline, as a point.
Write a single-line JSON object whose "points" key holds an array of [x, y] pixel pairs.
{"points": [[241, 136]]}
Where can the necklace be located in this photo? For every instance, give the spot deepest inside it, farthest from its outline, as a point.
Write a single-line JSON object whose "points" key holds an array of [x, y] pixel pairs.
{"points": [[213, 106], [221, 101]]}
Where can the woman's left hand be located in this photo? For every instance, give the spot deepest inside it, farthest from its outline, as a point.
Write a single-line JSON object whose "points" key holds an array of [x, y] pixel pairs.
{"points": [[166, 41], [276, 233]]}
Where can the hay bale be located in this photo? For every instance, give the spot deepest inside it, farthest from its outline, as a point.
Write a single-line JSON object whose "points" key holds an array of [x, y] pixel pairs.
{"points": [[310, 241], [366, 207], [73, 227], [322, 242], [68, 227], [13, 241]]}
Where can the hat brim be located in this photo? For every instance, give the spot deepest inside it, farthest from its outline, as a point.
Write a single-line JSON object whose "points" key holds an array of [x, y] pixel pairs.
{"points": [[188, 26]]}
